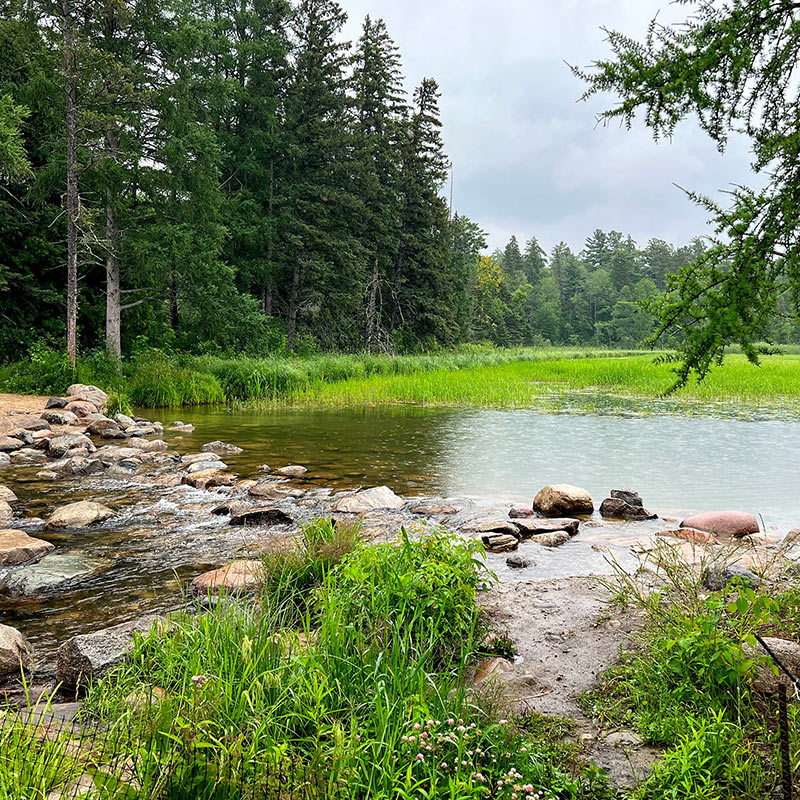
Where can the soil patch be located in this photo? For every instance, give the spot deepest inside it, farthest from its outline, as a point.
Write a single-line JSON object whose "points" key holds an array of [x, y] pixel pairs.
{"points": [[566, 637]]}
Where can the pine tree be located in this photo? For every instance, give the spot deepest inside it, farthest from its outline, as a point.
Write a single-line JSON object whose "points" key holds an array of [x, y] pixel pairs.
{"points": [[380, 113]]}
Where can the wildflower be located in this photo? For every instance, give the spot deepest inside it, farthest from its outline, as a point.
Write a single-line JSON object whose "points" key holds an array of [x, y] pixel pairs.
{"points": [[430, 722], [524, 749], [504, 722], [417, 726], [199, 680], [404, 739], [451, 722], [461, 729], [423, 735], [461, 722], [420, 757], [412, 739], [479, 777]]}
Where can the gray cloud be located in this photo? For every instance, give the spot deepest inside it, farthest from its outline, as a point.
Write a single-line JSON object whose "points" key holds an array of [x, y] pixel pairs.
{"points": [[530, 160]]}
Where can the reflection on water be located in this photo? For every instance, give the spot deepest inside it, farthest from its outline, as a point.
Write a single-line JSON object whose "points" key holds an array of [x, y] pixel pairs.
{"points": [[677, 464], [161, 536]]}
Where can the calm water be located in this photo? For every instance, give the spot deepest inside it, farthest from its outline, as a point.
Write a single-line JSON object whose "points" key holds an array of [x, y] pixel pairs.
{"points": [[677, 464], [162, 536]]}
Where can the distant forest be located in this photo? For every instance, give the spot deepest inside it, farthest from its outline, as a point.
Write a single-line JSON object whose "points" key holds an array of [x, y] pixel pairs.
{"points": [[217, 177]]}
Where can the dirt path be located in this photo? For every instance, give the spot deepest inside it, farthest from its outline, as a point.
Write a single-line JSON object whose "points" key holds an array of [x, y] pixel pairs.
{"points": [[566, 637], [18, 408]]}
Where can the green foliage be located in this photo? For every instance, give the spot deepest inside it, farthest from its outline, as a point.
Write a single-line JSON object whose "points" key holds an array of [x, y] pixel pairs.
{"points": [[364, 689], [157, 382], [730, 64]]}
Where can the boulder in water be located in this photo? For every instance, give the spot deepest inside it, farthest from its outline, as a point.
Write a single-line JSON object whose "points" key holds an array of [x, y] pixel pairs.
{"points": [[6, 513], [563, 500], [554, 539], [500, 542], [533, 526], [292, 471], [220, 447], [618, 508], [725, 523], [6, 495], [61, 445], [79, 515], [260, 516], [16, 547], [369, 500]]}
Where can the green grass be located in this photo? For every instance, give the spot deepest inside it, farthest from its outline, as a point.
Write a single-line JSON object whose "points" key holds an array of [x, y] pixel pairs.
{"points": [[686, 686], [590, 381], [347, 676]]}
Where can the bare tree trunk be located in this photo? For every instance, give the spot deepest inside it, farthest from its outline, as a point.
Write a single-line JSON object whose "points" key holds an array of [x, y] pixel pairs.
{"points": [[113, 293], [72, 199], [266, 299], [294, 304], [372, 305]]}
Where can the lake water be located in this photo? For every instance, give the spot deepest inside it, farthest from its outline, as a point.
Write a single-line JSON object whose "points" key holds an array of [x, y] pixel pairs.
{"points": [[162, 536]]}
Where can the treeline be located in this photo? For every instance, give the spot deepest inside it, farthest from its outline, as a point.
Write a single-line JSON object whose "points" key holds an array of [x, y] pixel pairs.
{"points": [[214, 177]]}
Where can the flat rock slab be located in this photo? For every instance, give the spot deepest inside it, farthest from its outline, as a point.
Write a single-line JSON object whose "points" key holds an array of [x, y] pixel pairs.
{"points": [[725, 523], [532, 526], [16, 547], [269, 490], [434, 508], [94, 654], [51, 573], [480, 521], [241, 576], [79, 515], [369, 500]]}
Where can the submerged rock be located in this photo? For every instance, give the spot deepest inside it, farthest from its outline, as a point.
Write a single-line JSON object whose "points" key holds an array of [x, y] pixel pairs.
{"points": [[79, 515], [269, 490], [563, 500], [519, 562], [92, 655], [555, 539], [15, 651], [726, 523], [292, 471], [220, 447], [51, 573], [369, 500], [16, 547]]}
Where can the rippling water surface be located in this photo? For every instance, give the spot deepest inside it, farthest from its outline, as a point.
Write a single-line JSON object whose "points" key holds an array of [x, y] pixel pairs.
{"points": [[164, 535]]}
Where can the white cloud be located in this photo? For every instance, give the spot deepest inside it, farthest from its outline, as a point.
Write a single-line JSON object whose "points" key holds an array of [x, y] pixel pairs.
{"points": [[528, 158]]}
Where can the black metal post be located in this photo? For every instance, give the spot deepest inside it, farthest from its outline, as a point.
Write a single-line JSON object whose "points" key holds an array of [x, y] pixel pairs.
{"points": [[786, 763]]}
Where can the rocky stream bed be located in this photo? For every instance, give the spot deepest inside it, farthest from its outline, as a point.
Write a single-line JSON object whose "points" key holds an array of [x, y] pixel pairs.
{"points": [[107, 523]]}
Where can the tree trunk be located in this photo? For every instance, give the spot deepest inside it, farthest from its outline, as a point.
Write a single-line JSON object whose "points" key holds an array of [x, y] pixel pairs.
{"points": [[294, 304], [72, 199], [113, 294], [266, 299], [372, 305]]}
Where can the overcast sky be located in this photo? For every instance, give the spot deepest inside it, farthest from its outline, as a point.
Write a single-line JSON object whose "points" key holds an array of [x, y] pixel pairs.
{"points": [[528, 159]]}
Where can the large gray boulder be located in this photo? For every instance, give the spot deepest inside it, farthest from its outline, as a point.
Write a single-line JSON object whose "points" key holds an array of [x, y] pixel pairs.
{"points": [[53, 572], [91, 394], [563, 500], [59, 417], [92, 655], [369, 500], [16, 547], [15, 651], [61, 445], [79, 515]]}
